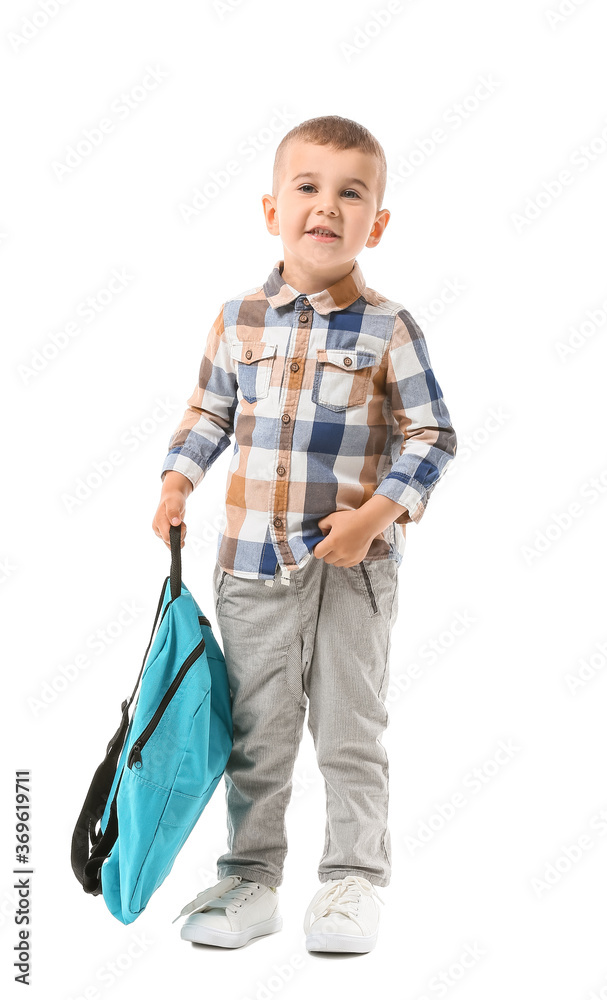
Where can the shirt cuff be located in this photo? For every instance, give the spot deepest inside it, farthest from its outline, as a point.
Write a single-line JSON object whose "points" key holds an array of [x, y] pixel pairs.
{"points": [[186, 466], [413, 498]]}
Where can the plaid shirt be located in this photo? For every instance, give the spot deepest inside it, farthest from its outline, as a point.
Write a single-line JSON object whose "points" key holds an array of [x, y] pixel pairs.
{"points": [[331, 399]]}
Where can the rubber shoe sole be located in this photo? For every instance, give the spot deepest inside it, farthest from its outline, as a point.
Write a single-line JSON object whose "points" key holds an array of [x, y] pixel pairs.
{"points": [[200, 933], [340, 942]]}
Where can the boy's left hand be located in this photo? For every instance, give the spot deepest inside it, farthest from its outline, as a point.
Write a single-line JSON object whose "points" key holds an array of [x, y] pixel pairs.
{"points": [[346, 542]]}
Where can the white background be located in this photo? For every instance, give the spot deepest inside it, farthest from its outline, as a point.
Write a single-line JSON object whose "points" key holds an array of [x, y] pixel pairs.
{"points": [[501, 879]]}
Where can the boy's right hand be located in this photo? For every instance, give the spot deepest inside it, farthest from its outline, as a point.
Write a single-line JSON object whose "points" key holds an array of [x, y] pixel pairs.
{"points": [[171, 509]]}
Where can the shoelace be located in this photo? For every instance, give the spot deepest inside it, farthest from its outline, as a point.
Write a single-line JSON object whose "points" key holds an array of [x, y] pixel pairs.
{"points": [[340, 896], [229, 890]]}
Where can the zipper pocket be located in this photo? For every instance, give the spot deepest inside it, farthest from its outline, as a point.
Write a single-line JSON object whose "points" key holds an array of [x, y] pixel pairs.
{"points": [[134, 758]]}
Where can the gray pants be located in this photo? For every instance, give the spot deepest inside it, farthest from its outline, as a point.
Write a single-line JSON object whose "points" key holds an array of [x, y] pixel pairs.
{"points": [[323, 639]]}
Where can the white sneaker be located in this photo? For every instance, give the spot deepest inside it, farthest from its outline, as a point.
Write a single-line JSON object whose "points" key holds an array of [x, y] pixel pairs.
{"points": [[343, 916], [231, 913]]}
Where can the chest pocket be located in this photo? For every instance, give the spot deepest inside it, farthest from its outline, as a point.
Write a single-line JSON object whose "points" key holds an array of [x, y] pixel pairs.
{"points": [[255, 360], [342, 377]]}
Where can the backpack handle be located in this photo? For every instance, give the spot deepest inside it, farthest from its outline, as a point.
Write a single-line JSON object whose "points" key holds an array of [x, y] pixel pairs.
{"points": [[175, 538]]}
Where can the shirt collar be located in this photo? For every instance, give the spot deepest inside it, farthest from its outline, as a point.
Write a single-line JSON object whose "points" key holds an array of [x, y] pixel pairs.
{"points": [[340, 295]]}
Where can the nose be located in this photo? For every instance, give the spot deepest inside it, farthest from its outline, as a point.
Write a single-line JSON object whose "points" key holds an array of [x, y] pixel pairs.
{"points": [[326, 205]]}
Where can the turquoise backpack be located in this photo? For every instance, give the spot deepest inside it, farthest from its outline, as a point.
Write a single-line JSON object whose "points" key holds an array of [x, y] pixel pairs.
{"points": [[162, 767]]}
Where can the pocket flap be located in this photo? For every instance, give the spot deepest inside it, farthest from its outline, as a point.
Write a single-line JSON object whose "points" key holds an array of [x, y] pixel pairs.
{"points": [[348, 360], [249, 351]]}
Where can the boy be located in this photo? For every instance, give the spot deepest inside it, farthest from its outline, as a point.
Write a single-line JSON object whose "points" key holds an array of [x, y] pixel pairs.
{"points": [[341, 434]]}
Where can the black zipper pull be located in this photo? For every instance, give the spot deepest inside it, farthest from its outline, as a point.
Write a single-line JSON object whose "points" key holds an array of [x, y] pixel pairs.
{"points": [[135, 756]]}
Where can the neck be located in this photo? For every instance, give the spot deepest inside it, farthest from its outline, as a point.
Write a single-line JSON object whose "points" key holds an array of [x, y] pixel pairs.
{"points": [[309, 280]]}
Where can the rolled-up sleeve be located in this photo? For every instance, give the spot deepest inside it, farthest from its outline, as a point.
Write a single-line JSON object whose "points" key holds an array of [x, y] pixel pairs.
{"points": [[424, 441], [207, 425]]}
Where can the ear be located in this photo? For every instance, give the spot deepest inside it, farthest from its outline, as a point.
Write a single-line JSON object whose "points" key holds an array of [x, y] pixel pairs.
{"points": [[269, 210]]}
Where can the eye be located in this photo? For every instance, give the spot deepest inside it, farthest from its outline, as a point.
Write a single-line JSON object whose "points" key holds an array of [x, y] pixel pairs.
{"points": [[302, 186]]}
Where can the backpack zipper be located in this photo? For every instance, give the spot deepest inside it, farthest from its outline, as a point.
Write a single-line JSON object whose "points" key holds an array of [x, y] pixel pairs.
{"points": [[134, 758]]}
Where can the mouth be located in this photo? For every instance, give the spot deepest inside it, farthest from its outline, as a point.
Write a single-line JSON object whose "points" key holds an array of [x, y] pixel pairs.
{"points": [[322, 235]]}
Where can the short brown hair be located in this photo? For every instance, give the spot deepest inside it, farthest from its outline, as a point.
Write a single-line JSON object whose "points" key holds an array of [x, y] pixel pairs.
{"points": [[338, 133]]}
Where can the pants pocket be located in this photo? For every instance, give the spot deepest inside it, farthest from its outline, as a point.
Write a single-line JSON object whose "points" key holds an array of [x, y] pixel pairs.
{"points": [[368, 588], [219, 579]]}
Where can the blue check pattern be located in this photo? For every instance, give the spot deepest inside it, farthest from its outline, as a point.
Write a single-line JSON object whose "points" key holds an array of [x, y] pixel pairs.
{"points": [[330, 398]]}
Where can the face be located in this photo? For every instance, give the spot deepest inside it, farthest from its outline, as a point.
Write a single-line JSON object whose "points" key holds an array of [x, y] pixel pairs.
{"points": [[332, 189]]}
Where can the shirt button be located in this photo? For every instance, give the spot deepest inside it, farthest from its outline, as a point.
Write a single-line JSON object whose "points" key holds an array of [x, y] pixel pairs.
{"points": [[248, 354], [295, 367], [277, 522], [305, 302], [281, 470], [285, 418], [303, 318], [347, 361]]}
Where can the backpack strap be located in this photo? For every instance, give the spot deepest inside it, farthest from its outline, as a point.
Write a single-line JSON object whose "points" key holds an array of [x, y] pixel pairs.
{"points": [[91, 813]]}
